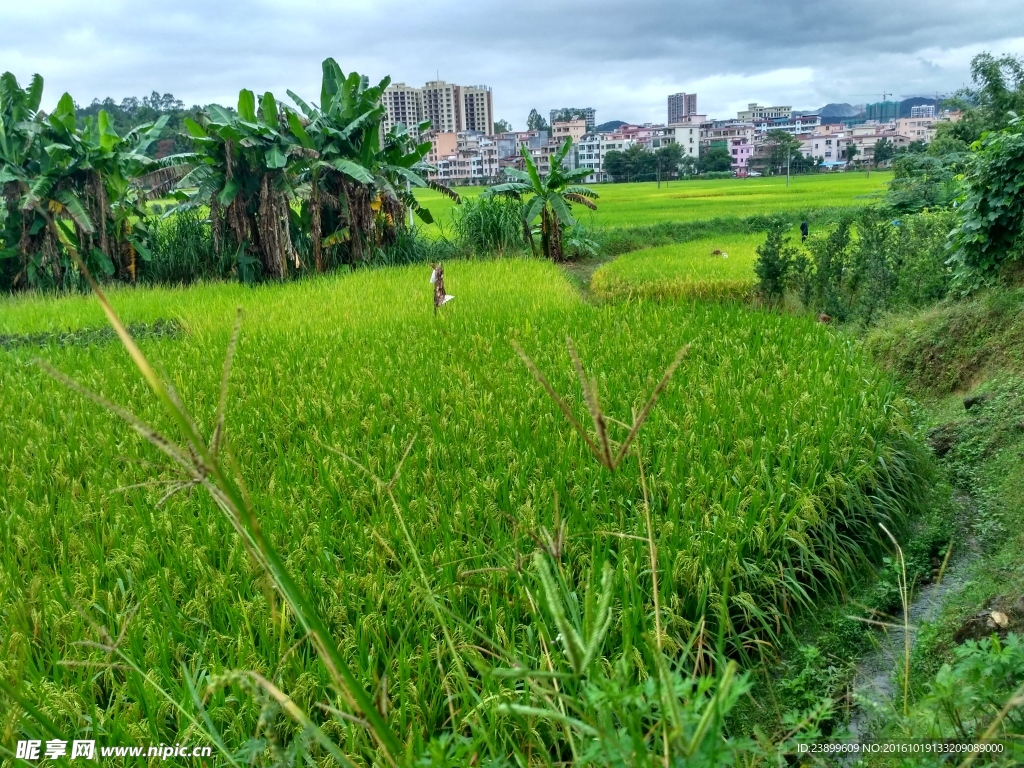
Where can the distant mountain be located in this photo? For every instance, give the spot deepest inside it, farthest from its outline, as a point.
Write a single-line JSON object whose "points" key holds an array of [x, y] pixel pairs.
{"points": [[838, 110], [611, 125]]}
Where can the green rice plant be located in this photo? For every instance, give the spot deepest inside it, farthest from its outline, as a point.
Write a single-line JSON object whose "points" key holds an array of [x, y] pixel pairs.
{"points": [[713, 268], [646, 203], [770, 458]]}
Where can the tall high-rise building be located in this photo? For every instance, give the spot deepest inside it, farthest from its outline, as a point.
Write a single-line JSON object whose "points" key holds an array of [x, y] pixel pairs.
{"points": [[681, 106], [565, 114], [403, 104], [450, 108], [477, 108], [882, 110], [443, 106]]}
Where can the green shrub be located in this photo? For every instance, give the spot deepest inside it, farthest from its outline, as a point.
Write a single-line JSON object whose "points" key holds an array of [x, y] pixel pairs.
{"points": [[873, 263], [183, 250], [490, 224], [774, 261]]}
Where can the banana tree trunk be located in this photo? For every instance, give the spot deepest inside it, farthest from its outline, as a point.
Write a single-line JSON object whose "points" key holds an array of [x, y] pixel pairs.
{"points": [[316, 225]]}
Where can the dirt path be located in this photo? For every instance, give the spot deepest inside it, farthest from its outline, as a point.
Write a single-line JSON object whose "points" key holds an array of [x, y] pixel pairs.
{"points": [[580, 272]]}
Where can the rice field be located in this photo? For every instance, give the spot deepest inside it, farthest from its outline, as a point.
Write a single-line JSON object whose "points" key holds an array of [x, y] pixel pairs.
{"points": [[640, 203], [770, 458], [717, 267]]}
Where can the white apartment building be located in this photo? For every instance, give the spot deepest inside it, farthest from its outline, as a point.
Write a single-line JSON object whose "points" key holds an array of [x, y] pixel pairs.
{"points": [[686, 135], [831, 147], [725, 130], [402, 104], [791, 125], [588, 155], [922, 110], [592, 149], [449, 108], [755, 111]]}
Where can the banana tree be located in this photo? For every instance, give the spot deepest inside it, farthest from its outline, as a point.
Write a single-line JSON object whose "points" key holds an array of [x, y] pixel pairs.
{"points": [[552, 198], [22, 232], [66, 187], [241, 170], [42, 169], [107, 180], [355, 187]]}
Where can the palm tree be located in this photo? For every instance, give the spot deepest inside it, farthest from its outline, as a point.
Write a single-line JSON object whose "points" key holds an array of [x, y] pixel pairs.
{"points": [[552, 198]]}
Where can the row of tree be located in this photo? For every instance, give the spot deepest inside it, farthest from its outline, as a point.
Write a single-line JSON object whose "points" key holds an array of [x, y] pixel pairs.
{"points": [[283, 185]]}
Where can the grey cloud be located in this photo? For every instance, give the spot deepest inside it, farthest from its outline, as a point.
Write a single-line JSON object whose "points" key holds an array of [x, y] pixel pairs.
{"points": [[622, 58]]}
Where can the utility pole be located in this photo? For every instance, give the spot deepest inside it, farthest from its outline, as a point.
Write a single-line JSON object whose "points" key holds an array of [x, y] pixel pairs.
{"points": [[789, 156], [659, 172]]}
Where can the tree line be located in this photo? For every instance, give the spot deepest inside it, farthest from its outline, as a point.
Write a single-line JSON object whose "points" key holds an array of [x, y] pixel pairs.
{"points": [[286, 187]]}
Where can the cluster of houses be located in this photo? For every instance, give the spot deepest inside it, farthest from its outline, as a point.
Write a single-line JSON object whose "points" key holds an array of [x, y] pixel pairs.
{"points": [[467, 155]]}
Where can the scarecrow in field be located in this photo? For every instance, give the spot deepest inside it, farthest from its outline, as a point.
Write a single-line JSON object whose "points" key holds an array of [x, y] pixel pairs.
{"points": [[437, 278]]}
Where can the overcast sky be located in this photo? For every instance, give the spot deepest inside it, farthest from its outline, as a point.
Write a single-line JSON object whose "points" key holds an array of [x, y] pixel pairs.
{"points": [[623, 58]]}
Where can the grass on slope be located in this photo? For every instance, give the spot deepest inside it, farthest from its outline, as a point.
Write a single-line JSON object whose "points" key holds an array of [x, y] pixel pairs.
{"points": [[640, 203], [771, 457], [954, 355], [682, 270]]}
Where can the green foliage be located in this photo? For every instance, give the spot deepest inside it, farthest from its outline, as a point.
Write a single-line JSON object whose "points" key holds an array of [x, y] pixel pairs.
{"points": [[502, 126], [775, 260], [995, 99], [811, 680], [990, 233], [69, 189], [580, 243], [923, 181], [132, 112], [632, 164], [872, 263], [183, 251], [780, 147], [536, 122], [639, 164], [945, 348], [978, 693], [714, 160], [884, 151]]}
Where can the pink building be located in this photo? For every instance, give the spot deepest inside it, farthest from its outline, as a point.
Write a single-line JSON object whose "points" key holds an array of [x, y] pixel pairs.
{"points": [[741, 150]]}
